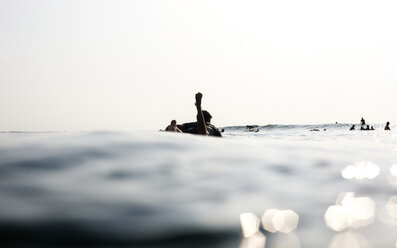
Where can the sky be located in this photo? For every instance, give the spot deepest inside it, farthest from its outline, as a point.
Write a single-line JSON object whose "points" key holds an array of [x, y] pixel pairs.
{"points": [[136, 65]]}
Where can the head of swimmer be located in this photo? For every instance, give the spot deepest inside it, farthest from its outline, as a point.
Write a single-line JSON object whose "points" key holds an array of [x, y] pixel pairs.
{"points": [[207, 116]]}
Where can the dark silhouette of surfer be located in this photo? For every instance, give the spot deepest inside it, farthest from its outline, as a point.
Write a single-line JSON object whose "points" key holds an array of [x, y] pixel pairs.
{"points": [[352, 128], [203, 125], [252, 128], [173, 127], [387, 127], [366, 128], [362, 121]]}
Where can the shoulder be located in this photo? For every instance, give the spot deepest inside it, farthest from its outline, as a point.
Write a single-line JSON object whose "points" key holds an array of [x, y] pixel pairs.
{"points": [[188, 124], [190, 127]]}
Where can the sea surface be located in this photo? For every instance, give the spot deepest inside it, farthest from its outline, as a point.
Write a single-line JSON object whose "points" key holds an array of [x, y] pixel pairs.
{"points": [[284, 185]]}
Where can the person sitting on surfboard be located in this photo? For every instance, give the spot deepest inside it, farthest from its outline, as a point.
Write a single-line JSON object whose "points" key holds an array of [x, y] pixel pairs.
{"points": [[173, 127], [387, 127], [362, 121], [203, 125]]}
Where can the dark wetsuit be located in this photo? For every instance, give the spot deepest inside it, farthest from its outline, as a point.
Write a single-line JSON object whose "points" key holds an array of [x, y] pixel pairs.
{"points": [[192, 128]]}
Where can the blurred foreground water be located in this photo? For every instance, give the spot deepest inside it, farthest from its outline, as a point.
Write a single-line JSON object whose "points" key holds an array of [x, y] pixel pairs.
{"points": [[283, 186]]}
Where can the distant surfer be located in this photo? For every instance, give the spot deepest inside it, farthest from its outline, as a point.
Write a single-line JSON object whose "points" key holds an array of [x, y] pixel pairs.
{"points": [[252, 128], [352, 128], [372, 128], [362, 121], [203, 125], [173, 127], [387, 127]]}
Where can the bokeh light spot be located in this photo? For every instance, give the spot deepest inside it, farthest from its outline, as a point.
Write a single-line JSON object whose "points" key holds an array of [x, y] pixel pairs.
{"points": [[274, 220], [361, 170], [249, 224], [350, 211]]}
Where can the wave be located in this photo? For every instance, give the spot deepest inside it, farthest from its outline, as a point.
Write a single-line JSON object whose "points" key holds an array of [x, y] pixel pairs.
{"points": [[32, 132], [343, 126]]}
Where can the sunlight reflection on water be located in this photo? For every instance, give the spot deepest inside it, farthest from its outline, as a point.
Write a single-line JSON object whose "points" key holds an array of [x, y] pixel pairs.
{"points": [[388, 211], [392, 177], [170, 182], [361, 170], [258, 240], [349, 240], [350, 211], [249, 224], [273, 220]]}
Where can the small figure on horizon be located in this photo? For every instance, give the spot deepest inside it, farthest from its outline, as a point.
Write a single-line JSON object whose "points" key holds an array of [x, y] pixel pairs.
{"points": [[352, 128], [362, 121], [372, 128], [367, 128], [252, 128], [387, 127], [173, 127]]}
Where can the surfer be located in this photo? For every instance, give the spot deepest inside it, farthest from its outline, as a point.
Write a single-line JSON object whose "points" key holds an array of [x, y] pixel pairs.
{"points": [[252, 128], [362, 121], [203, 125], [352, 128], [173, 127], [387, 127]]}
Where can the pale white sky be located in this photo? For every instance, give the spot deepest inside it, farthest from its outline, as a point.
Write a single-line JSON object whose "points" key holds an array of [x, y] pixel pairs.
{"points": [[95, 64]]}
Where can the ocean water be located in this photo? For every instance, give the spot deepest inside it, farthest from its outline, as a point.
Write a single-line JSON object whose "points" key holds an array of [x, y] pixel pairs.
{"points": [[290, 186]]}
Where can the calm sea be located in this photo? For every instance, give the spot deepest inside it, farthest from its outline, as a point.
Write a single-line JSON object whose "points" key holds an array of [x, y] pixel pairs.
{"points": [[299, 188]]}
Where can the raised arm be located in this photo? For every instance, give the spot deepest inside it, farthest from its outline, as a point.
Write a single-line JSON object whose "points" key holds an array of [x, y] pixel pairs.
{"points": [[201, 126]]}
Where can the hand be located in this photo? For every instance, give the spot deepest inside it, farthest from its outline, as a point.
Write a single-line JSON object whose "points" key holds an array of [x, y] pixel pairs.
{"points": [[198, 99]]}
